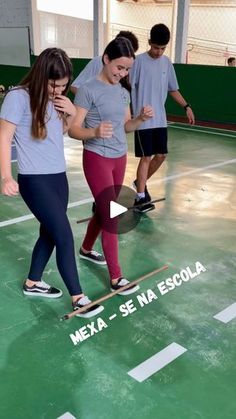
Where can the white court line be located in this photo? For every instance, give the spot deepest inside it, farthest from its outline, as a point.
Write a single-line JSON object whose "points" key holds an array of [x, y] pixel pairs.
{"points": [[192, 172], [31, 216], [154, 182], [82, 202], [67, 415], [149, 367], [204, 131], [226, 315], [184, 125]]}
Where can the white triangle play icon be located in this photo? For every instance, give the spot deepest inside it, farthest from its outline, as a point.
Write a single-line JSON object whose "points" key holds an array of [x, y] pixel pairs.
{"points": [[116, 209]]}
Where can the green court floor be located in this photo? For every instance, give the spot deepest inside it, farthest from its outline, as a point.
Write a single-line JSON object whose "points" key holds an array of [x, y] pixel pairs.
{"points": [[46, 375]]}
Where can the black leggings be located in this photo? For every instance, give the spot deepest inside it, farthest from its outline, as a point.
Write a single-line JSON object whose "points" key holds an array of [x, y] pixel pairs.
{"points": [[47, 198]]}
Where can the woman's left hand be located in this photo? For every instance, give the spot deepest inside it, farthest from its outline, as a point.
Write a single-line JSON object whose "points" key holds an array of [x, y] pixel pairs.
{"points": [[63, 104], [146, 113]]}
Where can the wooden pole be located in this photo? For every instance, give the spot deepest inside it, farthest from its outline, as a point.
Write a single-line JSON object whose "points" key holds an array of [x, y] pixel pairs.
{"points": [[83, 220], [112, 294]]}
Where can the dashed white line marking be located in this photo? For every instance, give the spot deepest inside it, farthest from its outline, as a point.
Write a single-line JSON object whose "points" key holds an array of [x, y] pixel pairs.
{"points": [[226, 315], [156, 362]]}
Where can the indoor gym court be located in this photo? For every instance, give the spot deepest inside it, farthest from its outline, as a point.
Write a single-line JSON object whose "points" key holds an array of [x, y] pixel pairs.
{"points": [[186, 335]]}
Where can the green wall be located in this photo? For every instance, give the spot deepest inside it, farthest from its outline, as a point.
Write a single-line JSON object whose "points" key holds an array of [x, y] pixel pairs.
{"points": [[211, 90], [11, 75]]}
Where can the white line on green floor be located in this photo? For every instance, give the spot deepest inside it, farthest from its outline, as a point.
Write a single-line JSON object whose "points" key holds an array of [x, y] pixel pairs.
{"points": [[219, 133], [158, 361], [226, 315], [192, 172], [31, 216], [154, 182]]}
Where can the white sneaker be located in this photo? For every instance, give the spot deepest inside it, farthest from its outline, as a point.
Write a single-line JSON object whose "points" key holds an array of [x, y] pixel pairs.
{"points": [[121, 283], [91, 311], [41, 289], [93, 256]]}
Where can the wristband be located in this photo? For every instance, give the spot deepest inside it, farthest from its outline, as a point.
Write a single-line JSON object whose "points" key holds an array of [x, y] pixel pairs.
{"points": [[187, 106]]}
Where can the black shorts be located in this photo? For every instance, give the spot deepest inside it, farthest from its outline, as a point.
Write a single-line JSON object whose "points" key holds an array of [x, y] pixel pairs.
{"points": [[151, 141]]}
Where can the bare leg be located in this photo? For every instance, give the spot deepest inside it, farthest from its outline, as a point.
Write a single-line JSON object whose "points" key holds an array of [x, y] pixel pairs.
{"points": [[142, 173], [155, 163]]}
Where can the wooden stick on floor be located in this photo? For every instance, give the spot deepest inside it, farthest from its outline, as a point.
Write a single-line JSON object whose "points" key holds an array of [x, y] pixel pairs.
{"points": [[83, 220], [112, 294], [145, 203]]}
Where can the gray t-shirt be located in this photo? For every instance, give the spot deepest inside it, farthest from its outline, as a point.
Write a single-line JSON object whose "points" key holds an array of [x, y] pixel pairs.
{"points": [[34, 156], [151, 80], [90, 71], [104, 102]]}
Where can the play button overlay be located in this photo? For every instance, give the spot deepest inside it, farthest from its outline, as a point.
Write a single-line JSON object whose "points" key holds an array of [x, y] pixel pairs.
{"points": [[112, 209], [116, 209]]}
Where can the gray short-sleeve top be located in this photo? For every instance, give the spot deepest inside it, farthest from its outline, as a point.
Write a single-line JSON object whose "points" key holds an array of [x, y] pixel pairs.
{"points": [[105, 102], [34, 156]]}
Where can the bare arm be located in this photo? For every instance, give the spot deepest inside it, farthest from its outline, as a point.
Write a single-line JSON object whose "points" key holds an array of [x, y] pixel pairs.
{"points": [[132, 124], [8, 185], [178, 98], [73, 89], [77, 131]]}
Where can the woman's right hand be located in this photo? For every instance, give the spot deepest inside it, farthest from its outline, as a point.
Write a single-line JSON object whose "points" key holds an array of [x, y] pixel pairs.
{"points": [[104, 130], [9, 187]]}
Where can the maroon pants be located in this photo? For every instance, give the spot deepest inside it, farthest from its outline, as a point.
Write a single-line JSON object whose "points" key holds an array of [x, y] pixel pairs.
{"points": [[104, 176]]}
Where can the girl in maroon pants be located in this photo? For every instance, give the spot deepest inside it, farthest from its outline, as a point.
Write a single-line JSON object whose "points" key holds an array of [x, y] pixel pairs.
{"points": [[102, 121]]}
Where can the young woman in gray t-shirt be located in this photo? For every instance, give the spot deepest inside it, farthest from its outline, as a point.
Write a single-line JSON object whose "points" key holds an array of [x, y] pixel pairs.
{"points": [[36, 114], [102, 121]]}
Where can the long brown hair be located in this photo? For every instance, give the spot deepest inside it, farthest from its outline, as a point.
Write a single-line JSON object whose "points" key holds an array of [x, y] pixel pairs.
{"points": [[51, 64]]}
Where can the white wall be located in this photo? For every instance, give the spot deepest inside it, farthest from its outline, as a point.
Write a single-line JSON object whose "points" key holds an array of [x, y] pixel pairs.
{"points": [[68, 30], [16, 13], [73, 35], [67, 24]]}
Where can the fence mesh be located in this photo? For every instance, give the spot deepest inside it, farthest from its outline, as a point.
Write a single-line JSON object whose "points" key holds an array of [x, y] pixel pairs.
{"points": [[211, 26], [210, 38]]}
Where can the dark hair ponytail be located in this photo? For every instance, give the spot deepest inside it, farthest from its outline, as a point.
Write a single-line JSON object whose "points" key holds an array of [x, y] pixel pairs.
{"points": [[119, 47]]}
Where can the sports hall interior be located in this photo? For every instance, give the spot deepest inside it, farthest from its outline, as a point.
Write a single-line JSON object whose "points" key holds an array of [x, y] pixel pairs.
{"points": [[106, 367]]}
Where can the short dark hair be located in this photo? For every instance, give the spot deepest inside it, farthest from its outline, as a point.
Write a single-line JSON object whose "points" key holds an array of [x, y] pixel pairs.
{"points": [[160, 34], [131, 37], [230, 60]]}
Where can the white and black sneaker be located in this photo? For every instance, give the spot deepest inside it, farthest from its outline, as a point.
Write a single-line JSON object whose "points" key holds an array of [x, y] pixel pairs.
{"points": [[93, 256], [91, 311], [121, 283], [147, 194], [41, 289]]}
